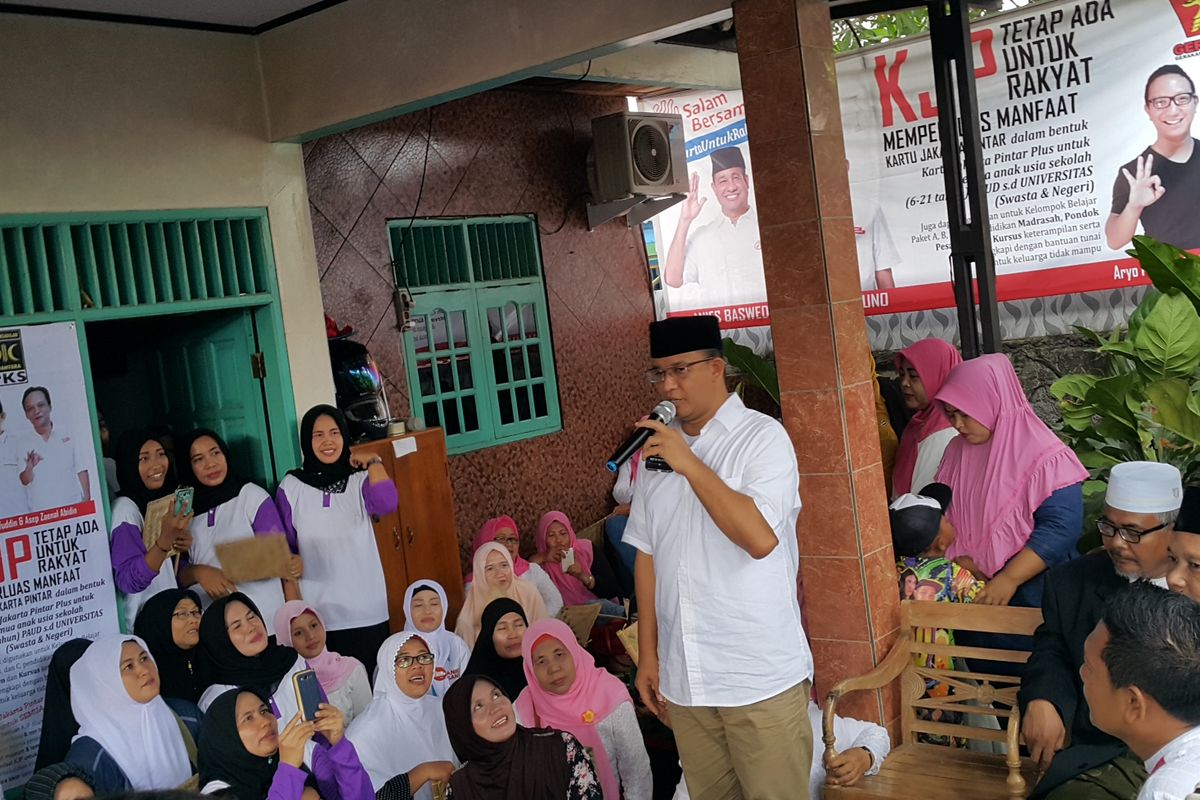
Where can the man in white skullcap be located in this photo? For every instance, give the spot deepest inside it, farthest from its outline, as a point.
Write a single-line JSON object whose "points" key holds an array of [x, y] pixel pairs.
{"points": [[1140, 508]]}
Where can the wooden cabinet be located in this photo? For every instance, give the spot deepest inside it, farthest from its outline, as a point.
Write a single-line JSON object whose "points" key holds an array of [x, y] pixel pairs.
{"points": [[420, 540]]}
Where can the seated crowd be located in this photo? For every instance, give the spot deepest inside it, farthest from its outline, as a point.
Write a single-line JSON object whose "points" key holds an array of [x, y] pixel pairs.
{"points": [[987, 508]]}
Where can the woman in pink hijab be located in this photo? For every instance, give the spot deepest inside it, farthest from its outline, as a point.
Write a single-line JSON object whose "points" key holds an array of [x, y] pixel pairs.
{"points": [[344, 678], [1018, 490], [923, 368], [568, 692], [557, 545], [503, 531]]}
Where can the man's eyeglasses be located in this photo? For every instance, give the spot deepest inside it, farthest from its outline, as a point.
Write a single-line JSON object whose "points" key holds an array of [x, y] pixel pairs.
{"points": [[195, 614], [1181, 100], [404, 662], [678, 372], [1108, 530]]}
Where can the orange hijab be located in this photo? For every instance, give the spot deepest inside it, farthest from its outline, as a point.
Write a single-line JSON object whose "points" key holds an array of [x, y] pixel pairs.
{"points": [[479, 594]]}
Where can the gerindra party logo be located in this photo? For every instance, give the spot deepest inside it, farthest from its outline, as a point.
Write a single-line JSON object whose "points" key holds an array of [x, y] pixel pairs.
{"points": [[12, 359], [1188, 12]]}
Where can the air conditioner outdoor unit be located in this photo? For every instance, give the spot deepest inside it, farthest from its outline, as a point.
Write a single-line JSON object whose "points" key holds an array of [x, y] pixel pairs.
{"points": [[637, 166]]}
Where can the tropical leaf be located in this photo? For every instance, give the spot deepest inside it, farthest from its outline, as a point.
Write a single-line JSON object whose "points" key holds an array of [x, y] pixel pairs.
{"points": [[1169, 267], [1088, 333], [1108, 397], [1167, 343], [1169, 401], [1071, 391], [1144, 308], [754, 367]]}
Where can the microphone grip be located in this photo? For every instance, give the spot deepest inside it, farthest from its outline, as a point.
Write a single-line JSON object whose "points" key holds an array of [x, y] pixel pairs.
{"points": [[631, 445]]}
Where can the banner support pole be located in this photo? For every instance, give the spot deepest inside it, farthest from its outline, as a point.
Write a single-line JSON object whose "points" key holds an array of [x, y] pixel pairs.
{"points": [[962, 168]]}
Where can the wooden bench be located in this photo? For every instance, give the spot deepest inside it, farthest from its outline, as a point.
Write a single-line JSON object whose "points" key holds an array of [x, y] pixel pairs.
{"points": [[930, 771]]}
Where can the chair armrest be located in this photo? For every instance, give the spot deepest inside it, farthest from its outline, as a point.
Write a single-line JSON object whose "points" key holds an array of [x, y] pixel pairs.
{"points": [[884, 673]]}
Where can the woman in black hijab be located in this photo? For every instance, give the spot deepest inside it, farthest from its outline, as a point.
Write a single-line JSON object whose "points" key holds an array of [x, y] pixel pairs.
{"points": [[504, 761], [243, 754], [169, 624], [497, 651], [146, 474], [59, 725], [234, 638], [326, 507]]}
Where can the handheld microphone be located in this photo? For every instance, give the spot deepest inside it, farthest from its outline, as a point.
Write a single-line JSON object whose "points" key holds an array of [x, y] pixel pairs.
{"points": [[664, 412]]}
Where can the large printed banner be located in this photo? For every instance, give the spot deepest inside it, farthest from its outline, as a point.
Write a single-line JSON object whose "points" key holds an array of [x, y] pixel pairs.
{"points": [[55, 573], [1082, 150], [705, 252]]}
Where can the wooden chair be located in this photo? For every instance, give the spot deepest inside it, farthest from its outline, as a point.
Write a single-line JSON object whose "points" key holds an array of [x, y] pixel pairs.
{"points": [[934, 772]]}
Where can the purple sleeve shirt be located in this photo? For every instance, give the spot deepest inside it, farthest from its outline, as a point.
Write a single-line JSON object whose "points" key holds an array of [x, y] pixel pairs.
{"points": [[132, 573], [380, 498], [340, 774], [284, 508], [267, 521]]}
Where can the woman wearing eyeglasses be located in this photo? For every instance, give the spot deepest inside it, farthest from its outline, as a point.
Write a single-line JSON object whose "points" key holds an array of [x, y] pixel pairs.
{"points": [[169, 623], [1160, 189], [401, 738]]}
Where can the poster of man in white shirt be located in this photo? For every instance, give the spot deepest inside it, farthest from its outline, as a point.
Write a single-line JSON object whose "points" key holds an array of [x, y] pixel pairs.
{"points": [[720, 262], [53, 469]]}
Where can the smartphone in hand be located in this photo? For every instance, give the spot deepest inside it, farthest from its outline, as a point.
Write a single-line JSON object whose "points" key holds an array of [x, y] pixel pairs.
{"points": [[183, 500], [568, 559], [308, 694]]}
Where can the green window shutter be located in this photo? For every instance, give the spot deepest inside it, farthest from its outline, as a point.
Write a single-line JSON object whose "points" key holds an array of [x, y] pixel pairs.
{"points": [[445, 374], [479, 358]]}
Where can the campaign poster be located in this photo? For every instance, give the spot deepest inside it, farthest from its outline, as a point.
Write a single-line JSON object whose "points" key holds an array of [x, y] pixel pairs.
{"points": [[1086, 111], [705, 253], [55, 573]]}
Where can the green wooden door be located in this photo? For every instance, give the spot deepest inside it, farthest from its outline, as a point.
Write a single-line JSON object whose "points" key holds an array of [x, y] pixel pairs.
{"points": [[206, 378]]}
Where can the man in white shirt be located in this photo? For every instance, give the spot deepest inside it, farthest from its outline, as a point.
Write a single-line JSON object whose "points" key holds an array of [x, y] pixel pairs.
{"points": [[723, 258], [12, 493], [723, 653], [1139, 673], [53, 469]]}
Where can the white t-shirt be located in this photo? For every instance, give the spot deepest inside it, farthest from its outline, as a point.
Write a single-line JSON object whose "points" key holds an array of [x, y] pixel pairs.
{"points": [[876, 251], [1174, 770], [724, 261], [230, 522], [729, 629], [56, 479], [125, 511], [13, 499], [929, 457], [343, 575]]}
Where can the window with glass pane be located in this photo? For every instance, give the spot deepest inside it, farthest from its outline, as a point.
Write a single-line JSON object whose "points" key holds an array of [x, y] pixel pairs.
{"points": [[479, 357]]}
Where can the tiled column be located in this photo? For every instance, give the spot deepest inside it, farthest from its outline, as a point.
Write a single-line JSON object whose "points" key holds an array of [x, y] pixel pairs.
{"points": [[799, 175]]}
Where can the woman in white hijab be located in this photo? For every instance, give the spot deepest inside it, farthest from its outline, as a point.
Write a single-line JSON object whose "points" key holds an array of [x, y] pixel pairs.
{"points": [[401, 739], [129, 739], [425, 609]]}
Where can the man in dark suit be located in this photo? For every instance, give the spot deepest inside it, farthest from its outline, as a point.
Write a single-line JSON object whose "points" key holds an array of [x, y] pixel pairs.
{"points": [[1141, 504]]}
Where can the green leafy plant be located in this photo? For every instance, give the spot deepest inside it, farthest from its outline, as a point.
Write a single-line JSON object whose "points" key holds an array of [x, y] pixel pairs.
{"points": [[1146, 407], [753, 368]]}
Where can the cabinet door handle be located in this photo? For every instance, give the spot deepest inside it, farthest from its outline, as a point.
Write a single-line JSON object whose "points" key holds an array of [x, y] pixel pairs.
{"points": [[396, 537], [410, 534]]}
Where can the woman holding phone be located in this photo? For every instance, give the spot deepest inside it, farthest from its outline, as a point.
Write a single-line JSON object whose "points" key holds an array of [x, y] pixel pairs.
{"points": [[234, 636], [146, 474], [326, 506], [244, 754], [228, 508]]}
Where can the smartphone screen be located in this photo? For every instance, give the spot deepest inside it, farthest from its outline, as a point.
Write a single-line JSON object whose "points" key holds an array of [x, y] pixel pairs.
{"points": [[183, 500], [308, 693]]}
